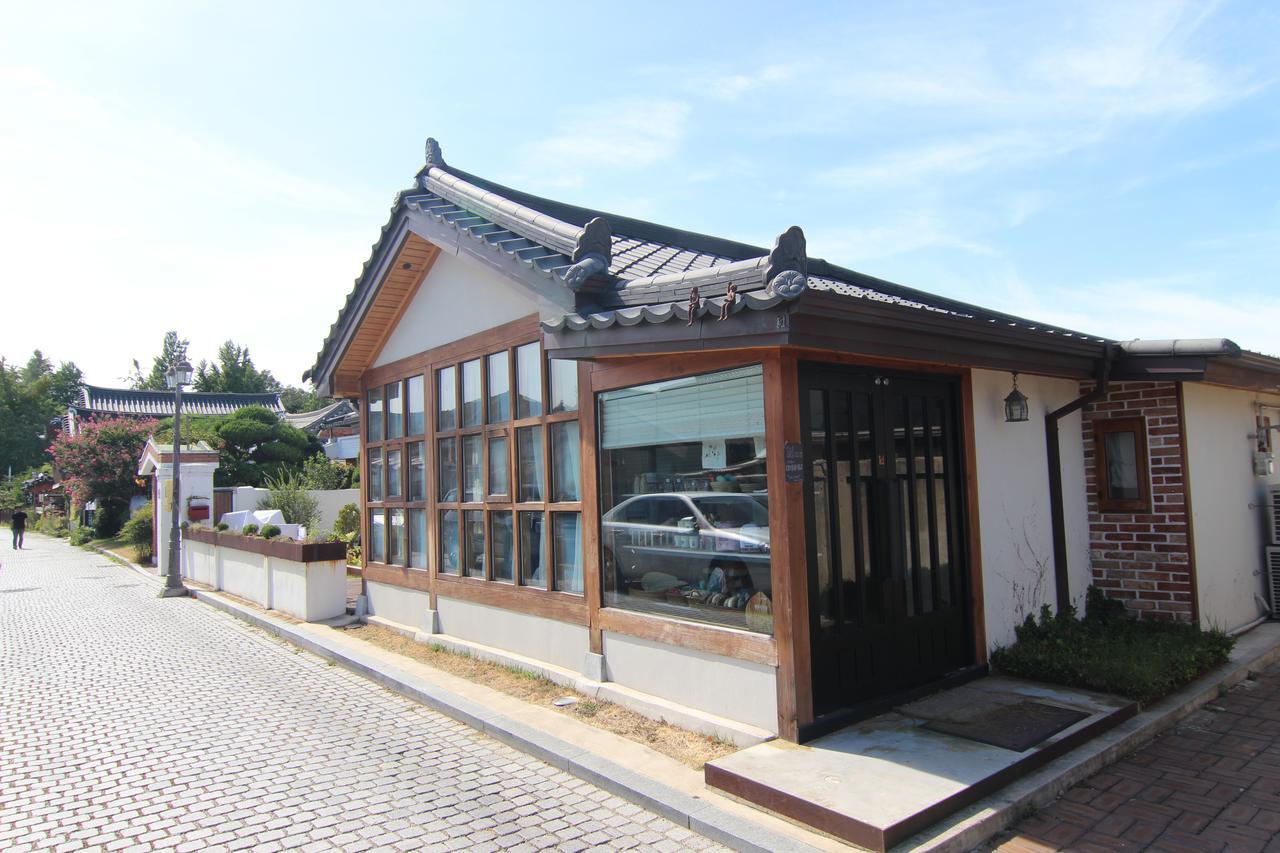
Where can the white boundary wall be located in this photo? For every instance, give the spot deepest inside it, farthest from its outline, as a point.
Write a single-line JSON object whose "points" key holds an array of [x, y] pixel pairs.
{"points": [[308, 591], [329, 501]]}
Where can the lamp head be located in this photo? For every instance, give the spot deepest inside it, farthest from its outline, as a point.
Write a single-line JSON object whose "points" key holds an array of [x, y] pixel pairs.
{"points": [[178, 374]]}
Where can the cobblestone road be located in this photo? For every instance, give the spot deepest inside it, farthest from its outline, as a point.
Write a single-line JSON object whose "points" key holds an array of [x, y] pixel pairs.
{"points": [[131, 722], [1212, 784]]}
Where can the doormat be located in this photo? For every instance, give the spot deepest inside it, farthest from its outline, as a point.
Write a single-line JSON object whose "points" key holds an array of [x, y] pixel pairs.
{"points": [[1015, 727]]}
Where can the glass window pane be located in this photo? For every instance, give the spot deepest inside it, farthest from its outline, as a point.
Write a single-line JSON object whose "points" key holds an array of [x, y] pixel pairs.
{"points": [[499, 467], [417, 473], [564, 461], [418, 538], [1122, 466], [473, 536], [447, 469], [471, 402], [373, 415], [502, 543], [564, 385], [395, 479], [684, 494], [417, 406], [395, 411], [533, 550], [447, 399], [375, 473], [472, 468], [567, 530], [529, 381], [377, 536], [530, 458], [499, 388], [396, 540], [450, 559]]}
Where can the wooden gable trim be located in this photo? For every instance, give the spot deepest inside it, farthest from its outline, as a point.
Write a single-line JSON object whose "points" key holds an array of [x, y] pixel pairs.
{"points": [[408, 269]]}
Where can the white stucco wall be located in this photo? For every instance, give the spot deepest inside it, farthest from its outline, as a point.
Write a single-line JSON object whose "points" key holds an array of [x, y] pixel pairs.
{"points": [[734, 689], [403, 606], [328, 503], [459, 297], [196, 480], [1229, 535], [1013, 500], [560, 643]]}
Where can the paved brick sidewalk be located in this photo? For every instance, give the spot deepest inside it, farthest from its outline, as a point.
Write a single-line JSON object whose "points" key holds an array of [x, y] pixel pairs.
{"points": [[1211, 784], [131, 722]]}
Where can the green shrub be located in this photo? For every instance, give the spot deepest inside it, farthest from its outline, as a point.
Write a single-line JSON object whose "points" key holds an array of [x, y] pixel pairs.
{"points": [[221, 526], [288, 494], [321, 472], [348, 521], [138, 532], [1109, 652], [82, 535], [53, 523], [249, 530], [109, 518], [270, 531]]}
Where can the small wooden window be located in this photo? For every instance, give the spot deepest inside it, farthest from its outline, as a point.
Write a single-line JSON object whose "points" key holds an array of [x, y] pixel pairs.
{"points": [[1124, 481]]}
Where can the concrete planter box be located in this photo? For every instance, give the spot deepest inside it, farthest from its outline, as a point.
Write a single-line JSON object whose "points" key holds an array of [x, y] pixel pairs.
{"points": [[307, 580]]}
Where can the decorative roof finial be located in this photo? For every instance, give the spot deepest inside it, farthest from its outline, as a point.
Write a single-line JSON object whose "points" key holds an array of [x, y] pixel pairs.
{"points": [[788, 264], [434, 157]]}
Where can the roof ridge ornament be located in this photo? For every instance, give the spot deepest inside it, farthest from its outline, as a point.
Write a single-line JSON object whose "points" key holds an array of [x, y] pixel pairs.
{"points": [[592, 253], [785, 273], [434, 157]]}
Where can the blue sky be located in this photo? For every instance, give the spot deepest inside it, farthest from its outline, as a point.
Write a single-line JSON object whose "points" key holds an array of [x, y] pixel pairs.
{"points": [[223, 168]]}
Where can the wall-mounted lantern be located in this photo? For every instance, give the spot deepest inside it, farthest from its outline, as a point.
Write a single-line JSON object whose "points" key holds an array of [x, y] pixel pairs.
{"points": [[1016, 409]]}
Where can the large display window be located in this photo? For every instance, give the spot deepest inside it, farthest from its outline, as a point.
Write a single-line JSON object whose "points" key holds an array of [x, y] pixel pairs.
{"points": [[685, 501]]}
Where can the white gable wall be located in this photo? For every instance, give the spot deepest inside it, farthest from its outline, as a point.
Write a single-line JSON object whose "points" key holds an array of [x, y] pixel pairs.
{"points": [[1226, 502], [459, 297]]}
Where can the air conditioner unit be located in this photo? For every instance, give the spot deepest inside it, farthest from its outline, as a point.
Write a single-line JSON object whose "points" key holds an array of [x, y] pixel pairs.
{"points": [[1273, 514], [1273, 579]]}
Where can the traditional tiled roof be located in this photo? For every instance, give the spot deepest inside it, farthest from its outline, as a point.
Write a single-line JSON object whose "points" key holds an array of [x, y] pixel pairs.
{"points": [[607, 269], [334, 414], [95, 400]]}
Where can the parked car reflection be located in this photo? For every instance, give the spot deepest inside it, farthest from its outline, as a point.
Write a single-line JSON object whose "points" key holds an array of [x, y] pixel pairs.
{"points": [[715, 545]]}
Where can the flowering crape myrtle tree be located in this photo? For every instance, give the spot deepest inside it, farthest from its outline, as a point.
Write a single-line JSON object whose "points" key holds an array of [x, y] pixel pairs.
{"points": [[101, 462]]}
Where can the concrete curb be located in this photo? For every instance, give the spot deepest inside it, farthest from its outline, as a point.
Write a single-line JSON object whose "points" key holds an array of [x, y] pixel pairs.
{"points": [[975, 825], [680, 808]]}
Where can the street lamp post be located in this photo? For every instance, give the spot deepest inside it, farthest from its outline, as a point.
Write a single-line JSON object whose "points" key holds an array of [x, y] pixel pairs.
{"points": [[176, 376]]}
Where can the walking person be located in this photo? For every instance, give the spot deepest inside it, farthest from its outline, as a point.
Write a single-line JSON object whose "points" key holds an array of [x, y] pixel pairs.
{"points": [[19, 525]]}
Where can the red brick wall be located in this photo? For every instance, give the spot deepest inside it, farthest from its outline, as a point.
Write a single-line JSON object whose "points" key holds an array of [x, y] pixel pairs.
{"points": [[1143, 559]]}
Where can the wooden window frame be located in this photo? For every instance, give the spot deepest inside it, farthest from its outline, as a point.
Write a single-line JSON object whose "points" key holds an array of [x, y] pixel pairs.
{"points": [[503, 340], [1106, 503], [386, 445]]}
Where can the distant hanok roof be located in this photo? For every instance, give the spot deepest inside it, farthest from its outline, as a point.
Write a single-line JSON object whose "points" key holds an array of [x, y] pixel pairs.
{"points": [[609, 284], [128, 402], [341, 413]]}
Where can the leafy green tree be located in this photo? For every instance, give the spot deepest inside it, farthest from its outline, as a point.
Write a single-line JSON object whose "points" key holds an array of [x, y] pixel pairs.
{"points": [[25, 412], [172, 350], [234, 372], [37, 367], [253, 443], [297, 399]]}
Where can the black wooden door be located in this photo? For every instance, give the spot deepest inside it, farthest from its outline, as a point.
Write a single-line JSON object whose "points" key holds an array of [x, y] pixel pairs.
{"points": [[888, 586]]}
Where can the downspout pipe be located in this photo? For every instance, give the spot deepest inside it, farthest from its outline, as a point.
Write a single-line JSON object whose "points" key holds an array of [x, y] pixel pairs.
{"points": [[1057, 514]]}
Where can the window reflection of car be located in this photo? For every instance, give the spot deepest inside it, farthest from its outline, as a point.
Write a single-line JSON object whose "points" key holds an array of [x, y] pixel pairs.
{"points": [[687, 536]]}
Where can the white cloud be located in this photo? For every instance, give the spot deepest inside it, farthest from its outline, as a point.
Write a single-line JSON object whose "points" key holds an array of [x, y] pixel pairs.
{"points": [[855, 245], [625, 133]]}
